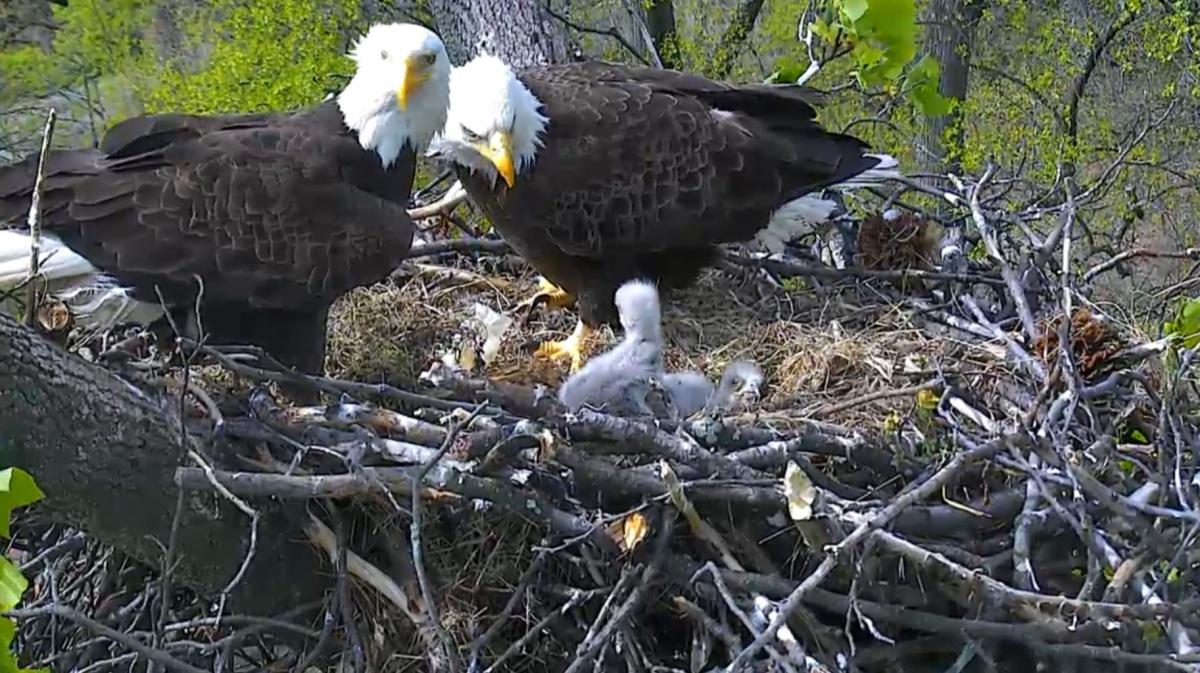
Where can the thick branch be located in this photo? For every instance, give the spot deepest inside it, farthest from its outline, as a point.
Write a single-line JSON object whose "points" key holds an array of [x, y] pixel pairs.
{"points": [[105, 452], [1079, 84]]}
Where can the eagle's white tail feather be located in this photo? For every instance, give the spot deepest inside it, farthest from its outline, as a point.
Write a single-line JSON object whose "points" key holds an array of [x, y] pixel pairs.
{"points": [[884, 170], [795, 219], [58, 262], [806, 214], [96, 301], [101, 307]]}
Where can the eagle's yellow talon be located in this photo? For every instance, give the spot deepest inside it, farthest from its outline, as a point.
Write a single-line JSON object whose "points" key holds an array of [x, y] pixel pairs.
{"points": [[571, 347], [556, 297]]}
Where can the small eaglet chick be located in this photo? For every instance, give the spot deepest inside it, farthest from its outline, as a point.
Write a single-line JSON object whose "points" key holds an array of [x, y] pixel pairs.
{"points": [[691, 391], [619, 379], [629, 380]]}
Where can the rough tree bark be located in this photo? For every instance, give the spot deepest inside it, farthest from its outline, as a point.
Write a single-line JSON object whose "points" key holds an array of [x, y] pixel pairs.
{"points": [[521, 32], [949, 37], [104, 452]]}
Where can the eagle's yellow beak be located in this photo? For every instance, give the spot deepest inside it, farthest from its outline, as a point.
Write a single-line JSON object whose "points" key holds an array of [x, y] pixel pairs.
{"points": [[415, 72], [499, 152]]}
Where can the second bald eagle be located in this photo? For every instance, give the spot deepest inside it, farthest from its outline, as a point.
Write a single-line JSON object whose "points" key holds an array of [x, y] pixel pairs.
{"points": [[276, 214], [598, 173]]}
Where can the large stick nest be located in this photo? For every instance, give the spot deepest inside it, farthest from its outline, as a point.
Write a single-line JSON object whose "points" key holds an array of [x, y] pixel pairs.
{"points": [[923, 485]]}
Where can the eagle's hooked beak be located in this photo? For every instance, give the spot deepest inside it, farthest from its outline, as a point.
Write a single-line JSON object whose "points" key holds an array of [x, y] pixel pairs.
{"points": [[415, 72], [499, 152]]}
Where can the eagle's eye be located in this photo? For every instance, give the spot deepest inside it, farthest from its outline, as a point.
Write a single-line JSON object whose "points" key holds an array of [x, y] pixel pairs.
{"points": [[383, 54], [428, 58]]}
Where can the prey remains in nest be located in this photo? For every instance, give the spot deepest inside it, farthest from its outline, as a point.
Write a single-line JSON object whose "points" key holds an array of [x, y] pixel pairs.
{"points": [[1094, 341], [896, 240]]}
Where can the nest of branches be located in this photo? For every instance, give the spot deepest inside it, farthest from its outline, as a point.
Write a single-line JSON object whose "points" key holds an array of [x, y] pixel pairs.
{"points": [[919, 488]]}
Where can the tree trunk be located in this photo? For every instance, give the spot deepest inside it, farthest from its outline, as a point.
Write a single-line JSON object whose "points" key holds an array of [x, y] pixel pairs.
{"points": [[660, 21], [104, 452], [733, 40], [949, 37], [520, 32]]}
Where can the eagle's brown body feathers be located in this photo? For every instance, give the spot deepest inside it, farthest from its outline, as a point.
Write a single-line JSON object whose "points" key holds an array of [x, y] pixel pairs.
{"points": [[278, 214], [642, 172]]}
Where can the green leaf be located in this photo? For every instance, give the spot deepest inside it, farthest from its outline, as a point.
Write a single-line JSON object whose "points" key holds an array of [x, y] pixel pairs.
{"points": [[788, 73], [882, 37], [8, 628], [8, 631], [17, 489], [1186, 325], [868, 55], [823, 30], [854, 10], [12, 585], [922, 85], [8, 661]]}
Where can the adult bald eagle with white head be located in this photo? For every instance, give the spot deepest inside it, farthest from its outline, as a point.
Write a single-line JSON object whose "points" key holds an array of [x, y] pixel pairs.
{"points": [[277, 214], [599, 173]]}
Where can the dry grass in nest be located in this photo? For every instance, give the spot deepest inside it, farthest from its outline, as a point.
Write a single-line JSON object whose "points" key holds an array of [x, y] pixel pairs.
{"points": [[809, 358]]}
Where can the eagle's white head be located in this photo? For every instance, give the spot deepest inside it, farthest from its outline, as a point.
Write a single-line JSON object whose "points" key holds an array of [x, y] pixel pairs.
{"points": [[494, 124], [401, 90]]}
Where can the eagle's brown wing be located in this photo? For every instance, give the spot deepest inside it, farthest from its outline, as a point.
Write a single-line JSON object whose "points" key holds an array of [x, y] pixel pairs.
{"points": [[639, 160], [284, 213]]}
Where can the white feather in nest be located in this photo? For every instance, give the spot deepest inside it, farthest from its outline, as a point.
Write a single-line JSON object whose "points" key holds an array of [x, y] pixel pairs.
{"points": [[97, 302], [626, 379], [479, 337]]}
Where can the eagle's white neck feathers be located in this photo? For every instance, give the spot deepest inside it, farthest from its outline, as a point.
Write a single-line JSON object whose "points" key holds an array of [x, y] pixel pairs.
{"points": [[485, 97], [386, 56]]}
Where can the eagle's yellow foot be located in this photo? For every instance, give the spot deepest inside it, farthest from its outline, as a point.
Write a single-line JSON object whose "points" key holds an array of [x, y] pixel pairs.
{"points": [[571, 347], [556, 297], [550, 294]]}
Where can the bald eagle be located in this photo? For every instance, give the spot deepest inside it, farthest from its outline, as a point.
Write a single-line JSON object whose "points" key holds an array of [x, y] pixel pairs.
{"points": [[611, 172], [277, 214]]}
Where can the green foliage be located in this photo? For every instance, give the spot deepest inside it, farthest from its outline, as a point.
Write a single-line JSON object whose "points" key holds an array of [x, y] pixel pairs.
{"points": [[95, 38], [922, 84], [17, 489], [881, 36], [121, 57], [261, 56], [1186, 324]]}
